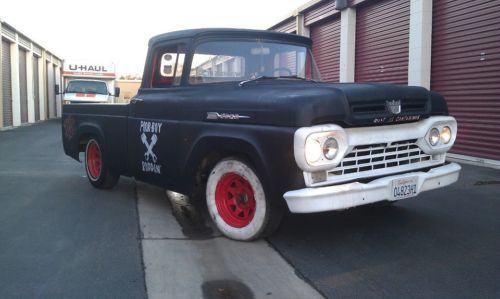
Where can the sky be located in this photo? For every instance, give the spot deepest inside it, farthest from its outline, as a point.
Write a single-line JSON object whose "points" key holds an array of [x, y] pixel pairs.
{"points": [[103, 31]]}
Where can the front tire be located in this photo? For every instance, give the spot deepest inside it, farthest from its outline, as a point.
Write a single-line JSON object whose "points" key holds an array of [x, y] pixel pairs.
{"points": [[96, 167], [237, 202]]}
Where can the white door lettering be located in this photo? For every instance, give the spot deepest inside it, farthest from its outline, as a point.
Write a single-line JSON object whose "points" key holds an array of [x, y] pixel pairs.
{"points": [[150, 158], [149, 146]]}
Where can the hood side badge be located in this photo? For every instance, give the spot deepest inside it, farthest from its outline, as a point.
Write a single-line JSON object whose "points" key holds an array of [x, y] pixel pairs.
{"points": [[232, 116]]}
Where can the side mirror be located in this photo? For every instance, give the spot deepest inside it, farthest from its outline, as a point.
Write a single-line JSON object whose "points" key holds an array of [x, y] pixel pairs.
{"points": [[56, 89], [117, 92]]}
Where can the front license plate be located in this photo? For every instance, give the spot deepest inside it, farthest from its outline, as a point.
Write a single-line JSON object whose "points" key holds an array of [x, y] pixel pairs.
{"points": [[404, 188]]}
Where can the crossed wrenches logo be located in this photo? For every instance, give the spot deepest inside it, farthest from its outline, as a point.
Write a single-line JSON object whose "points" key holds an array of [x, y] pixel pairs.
{"points": [[149, 146]]}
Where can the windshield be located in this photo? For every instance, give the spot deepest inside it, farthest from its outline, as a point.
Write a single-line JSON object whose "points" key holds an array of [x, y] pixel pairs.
{"points": [[226, 61], [87, 87]]}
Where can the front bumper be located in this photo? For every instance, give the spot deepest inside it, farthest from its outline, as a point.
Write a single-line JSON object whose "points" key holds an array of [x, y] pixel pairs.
{"points": [[340, 197], [67, 102]]}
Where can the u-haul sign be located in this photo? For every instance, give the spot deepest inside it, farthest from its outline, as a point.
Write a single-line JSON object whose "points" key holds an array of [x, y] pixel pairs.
{"points": [[91, 70]]}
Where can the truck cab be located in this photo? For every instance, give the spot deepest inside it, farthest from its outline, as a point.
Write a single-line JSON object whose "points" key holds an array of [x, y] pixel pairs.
{"points": [[241, 120], [88, 91], [88, 82]]}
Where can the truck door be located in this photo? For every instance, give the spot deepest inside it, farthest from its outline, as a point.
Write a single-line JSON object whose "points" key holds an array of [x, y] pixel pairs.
{"points": [[152, 125]]}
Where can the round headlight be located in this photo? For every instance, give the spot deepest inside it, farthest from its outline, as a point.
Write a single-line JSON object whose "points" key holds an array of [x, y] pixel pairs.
{"points": [[312, 150], [330, 148], [445, 135], [434, 137]]}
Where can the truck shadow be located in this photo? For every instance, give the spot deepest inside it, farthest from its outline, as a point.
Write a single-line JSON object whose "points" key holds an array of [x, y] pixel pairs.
{"points": [[191, 216], [366, 225]]}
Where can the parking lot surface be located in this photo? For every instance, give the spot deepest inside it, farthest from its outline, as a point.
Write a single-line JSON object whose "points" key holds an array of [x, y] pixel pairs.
{"points": [[442, 244], [62, 238], [59, 237]]}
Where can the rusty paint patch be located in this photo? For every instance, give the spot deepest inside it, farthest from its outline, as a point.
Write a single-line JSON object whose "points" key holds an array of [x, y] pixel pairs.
{"points": [[69, 127]]}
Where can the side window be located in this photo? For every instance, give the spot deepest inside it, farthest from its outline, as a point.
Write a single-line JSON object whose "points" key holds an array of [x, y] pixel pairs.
{"points": [[167, 66]]}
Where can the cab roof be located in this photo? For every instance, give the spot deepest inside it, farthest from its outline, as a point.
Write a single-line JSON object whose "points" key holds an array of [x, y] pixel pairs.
{"points": [[229, 32]]}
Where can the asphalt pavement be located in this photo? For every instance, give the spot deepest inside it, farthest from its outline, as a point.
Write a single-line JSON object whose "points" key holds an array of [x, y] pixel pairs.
{"points": [[59, 237], [442, 244]]}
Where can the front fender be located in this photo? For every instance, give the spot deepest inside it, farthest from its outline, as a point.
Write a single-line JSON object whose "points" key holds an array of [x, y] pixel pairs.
{"points": [[225, 146], [269, 149]]}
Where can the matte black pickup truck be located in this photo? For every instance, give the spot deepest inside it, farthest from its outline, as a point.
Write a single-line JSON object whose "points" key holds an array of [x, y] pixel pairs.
{"points": [[242, 115]]}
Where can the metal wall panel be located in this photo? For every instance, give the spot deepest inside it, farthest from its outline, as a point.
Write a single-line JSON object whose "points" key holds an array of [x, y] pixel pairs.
{"points": [[6, 84], [23, 86], [382, 40], [51, 102], [320, 12], [466, 71], [8, 32], [54, 96], [36, 91], [326, 48], [357, 2], [287, 26]]}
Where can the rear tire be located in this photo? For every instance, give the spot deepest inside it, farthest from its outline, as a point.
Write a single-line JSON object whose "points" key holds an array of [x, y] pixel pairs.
{"points": [[98, 173], [237, 202]]}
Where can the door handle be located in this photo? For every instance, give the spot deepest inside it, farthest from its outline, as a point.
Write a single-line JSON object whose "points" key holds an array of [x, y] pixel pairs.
{"points": [[136, 100]]}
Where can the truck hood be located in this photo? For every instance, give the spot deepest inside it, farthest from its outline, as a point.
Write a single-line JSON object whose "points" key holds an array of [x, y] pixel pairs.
{"points": [[86, 97], [293, 103]]}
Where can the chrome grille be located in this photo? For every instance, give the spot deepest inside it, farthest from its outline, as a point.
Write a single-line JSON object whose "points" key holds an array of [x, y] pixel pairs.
{"points": [[379, 106], [373, 157]]}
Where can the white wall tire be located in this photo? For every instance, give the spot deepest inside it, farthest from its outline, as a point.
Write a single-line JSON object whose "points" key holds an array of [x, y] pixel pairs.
{"points": [[230, 188]]}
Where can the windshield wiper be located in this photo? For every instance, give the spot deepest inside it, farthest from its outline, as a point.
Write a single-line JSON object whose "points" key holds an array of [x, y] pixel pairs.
{"points": [[86, 92], [298, 78], [257, 79], [94, 92], [275, 78]]}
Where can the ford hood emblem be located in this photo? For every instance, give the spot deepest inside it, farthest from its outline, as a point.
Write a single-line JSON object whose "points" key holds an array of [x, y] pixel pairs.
{"points": [[393, 106]]}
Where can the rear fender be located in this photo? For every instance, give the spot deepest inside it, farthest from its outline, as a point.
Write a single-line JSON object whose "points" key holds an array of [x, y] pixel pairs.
{"points": [[85, 130]]}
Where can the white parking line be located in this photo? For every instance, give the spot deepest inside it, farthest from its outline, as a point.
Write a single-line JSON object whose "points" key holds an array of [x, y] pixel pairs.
{"points": [[215, 267]]}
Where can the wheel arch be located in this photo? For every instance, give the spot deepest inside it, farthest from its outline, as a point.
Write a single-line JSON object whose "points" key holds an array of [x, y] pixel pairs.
{"points": [[87, 131], [209, 150]]}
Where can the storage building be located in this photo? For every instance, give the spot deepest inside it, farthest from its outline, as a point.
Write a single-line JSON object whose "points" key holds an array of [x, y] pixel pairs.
{"points": [[29, 75], [450, 46]]}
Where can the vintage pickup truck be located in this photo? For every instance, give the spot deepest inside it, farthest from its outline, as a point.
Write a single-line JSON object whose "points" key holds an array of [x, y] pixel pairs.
{"points": [[243, 117]]}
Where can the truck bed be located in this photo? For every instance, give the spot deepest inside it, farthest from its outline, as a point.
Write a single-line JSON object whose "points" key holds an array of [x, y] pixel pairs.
{"points": [[97, 109], [97, 120]]}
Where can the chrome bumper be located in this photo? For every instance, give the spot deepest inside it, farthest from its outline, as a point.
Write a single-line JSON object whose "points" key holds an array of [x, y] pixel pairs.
{"points": [[340, 197]]}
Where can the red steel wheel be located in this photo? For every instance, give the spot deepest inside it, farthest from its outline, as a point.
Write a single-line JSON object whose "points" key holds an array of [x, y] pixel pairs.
{"points": [[235, 200], [94, 160], [98, 172]]}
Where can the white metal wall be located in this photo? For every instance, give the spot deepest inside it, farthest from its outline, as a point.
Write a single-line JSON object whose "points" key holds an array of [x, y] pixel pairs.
{"points": [[28, 75], [36, 88], [6, 85], [23, 86], [50, 90]]}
